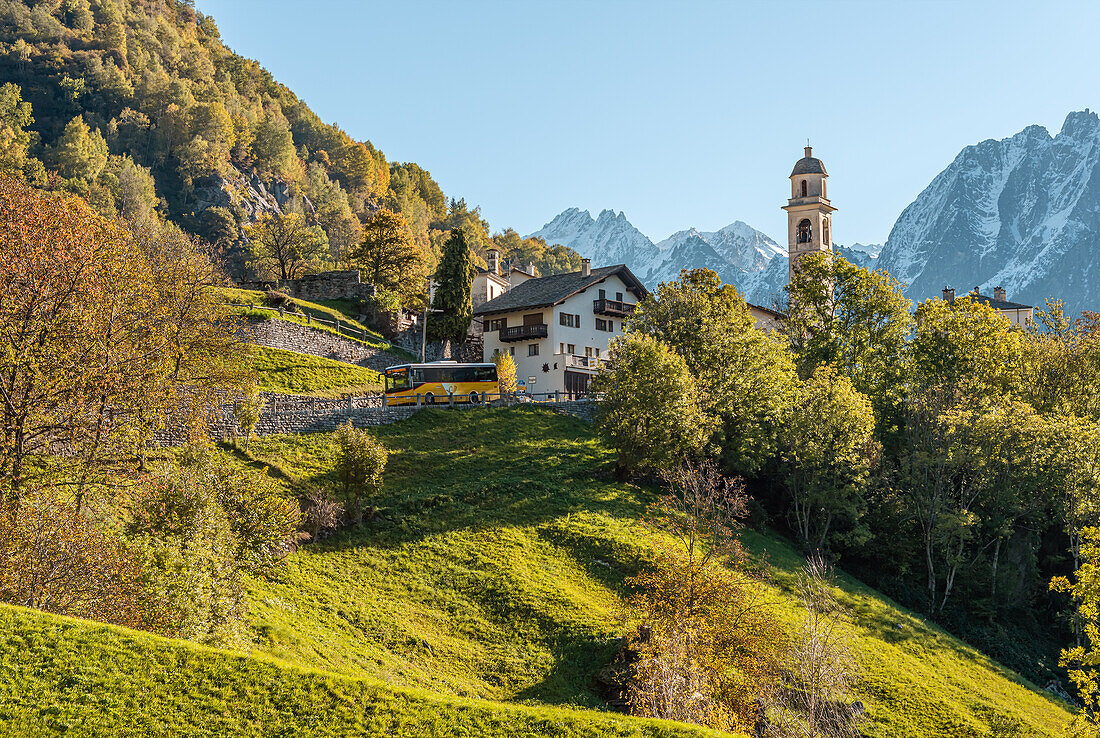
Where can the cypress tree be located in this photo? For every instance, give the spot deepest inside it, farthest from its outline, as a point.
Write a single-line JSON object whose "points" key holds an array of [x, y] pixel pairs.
{"points": [[454, 277]]}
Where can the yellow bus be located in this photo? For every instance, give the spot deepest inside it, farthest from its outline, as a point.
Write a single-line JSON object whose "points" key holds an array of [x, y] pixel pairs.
{"points": [[436, 381]]}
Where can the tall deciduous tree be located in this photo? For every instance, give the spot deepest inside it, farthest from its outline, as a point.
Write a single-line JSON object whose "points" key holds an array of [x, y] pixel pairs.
{"points": [[285, 243], [827, 456], [651, 412], [81, 153], [855, 320], [746, 377], [453, 298], [389, 257]]}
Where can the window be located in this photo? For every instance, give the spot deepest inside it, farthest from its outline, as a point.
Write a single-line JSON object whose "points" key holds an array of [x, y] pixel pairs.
{"points": [[570, 320], [497, 324], [570, 348], [804, 188], [597, 352], [512, 350], [533, 349], [576, 321], [603, 294], [588, 351], [561, 348], [825, 233], [611, 325], [601, 324], [805, 231], [619, 296]]}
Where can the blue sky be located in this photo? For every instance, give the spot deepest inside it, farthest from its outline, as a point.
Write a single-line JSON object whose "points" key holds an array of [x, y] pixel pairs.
{"points": [[680, 114]]}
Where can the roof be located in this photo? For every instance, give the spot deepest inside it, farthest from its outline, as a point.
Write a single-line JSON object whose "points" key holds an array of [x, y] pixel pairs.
{"points": [[808, 165], [769, 311], [495, 275], [997, 304], [543, 291]]}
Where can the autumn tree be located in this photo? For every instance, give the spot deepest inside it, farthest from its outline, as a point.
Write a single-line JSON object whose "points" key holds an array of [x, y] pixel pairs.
{"points": [[284, 243], [506, 372], [452, 297], [80, 153], [389, 257], [708, 645], [650, 413]]}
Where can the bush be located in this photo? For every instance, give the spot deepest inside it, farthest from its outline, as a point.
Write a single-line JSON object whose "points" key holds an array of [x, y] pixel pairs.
{"points": [[360, 461], [322, 514], [200, 528], [276, 299], [52, 558]]}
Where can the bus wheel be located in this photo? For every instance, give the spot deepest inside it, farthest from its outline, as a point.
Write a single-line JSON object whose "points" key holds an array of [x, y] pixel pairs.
{"points": [[475, 398], [429, 398]]}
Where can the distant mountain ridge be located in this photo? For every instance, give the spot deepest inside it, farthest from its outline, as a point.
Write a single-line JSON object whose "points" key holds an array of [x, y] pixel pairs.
{"points": [[1022, 212], [738, 253]]}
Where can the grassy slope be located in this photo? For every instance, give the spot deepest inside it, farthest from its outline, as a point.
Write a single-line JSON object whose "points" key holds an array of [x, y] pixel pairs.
{"points": [[64, 676], [327, 310], [496, 572], [290, 372]]}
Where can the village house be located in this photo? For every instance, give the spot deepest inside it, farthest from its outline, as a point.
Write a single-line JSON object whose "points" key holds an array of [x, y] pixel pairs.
{"points": [[1016, 313], [559, 328]]}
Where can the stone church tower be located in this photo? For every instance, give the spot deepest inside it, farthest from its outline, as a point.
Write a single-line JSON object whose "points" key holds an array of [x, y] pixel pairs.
{"points": [[809, 214]]}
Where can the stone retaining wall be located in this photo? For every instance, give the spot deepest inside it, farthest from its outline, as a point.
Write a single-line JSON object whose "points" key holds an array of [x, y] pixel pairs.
{"points": [[282, 334], [302, 414]]}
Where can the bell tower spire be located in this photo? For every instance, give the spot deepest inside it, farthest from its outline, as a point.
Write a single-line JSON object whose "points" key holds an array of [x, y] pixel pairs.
{"points": [[809, 213]]}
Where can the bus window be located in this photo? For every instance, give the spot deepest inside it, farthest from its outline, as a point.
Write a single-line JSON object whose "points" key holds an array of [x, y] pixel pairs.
{"points": [[484, 373], [397, 381]]}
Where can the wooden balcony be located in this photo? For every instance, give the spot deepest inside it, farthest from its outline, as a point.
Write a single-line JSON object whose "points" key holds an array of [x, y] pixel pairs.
{"points": [[573, 361], [616, 308], [524, 332]]}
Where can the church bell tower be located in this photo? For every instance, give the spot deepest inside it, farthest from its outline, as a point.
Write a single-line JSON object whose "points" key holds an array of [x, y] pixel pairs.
{"points": [[809, 214]]}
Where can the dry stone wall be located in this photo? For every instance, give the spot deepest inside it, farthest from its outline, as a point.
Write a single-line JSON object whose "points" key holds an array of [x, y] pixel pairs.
{"points": [[282, 334]]}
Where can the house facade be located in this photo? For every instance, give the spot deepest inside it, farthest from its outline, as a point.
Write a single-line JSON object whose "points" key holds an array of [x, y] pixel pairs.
{"points": [[559, 328], [1015, 312]]}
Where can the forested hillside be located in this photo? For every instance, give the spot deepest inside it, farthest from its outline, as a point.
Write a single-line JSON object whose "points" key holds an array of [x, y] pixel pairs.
{"points": [[138, 106]]}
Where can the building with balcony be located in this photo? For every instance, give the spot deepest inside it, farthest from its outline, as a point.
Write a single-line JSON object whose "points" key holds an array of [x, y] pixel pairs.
{"points": [[559, 328]]}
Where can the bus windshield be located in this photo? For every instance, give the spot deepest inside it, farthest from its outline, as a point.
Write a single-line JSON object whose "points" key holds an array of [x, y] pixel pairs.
{"points": [[397, 380]]}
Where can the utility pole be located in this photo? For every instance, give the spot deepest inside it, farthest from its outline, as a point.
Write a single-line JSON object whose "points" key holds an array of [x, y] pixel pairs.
{"points": [[424, 327]]}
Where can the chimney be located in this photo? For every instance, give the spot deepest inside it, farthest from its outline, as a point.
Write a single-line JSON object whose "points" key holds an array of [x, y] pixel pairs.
{"points": [[586, 267], [999, 294], [949, 294], [494, 261], [531, 268]]}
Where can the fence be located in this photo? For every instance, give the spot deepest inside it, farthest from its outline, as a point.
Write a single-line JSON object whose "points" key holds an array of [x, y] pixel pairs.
{"points": [[340, 328]]}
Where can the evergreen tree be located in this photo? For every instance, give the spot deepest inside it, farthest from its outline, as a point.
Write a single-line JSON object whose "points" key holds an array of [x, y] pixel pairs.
{"points": [[453, 297]]}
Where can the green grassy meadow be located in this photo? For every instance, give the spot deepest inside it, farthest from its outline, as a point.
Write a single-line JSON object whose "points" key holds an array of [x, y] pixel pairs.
{"points": [[289, 372], [496, 568], [482, 601], [61, 676]]}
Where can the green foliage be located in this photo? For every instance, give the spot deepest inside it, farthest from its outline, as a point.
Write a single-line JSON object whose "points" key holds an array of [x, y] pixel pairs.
{"points": [[360, 461], [201, 526], [746, 377], [503, 578], [285, 244], [855, 320], [452, 297], [80, 153], [827, 453], [556, 259], [651, 411]]}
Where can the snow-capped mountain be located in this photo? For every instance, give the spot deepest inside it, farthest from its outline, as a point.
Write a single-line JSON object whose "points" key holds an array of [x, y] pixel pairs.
{"points": [[739, 253], [608, 239], [1022, 213]]}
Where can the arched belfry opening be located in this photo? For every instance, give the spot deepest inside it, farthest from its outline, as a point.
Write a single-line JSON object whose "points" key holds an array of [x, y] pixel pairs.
{"points": [[805, 231], [805, 188]]}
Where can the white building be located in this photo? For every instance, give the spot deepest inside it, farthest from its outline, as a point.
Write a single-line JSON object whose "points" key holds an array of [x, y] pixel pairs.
{"points": [[1017, 313], [559, 328]]}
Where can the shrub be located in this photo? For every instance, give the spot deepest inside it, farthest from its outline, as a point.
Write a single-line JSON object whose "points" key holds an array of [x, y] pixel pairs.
{"points": [[322, 513], [53, 558], [360, 461]]}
